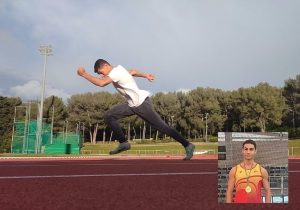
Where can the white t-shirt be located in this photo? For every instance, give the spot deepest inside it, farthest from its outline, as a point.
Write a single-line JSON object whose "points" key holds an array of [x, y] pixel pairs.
{"points": [[123, 81]]}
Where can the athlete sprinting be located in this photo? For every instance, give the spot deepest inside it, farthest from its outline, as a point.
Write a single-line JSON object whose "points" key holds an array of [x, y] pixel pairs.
{"points": [[248, 178], [138, 103]]}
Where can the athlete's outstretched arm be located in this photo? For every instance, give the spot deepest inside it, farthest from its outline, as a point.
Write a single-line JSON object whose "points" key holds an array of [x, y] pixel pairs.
{"points": [[266, 184], [95, 80], [137, 73], [230, 185]]}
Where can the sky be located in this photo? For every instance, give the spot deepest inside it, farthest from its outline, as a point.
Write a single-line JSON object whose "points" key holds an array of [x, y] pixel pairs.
{"points": [[185, 43]]}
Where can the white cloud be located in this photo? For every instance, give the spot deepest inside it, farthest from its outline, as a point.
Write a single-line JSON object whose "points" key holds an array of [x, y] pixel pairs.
{"points": [[1, 92], [57, 92], [32, 91]]}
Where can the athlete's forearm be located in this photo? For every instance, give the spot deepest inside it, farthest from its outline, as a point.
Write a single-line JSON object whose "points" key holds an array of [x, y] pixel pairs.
{"points": [[137, 73], [91, 79], [229, 197], [268, 196], [229, 192], [266, 185], [94, 80]]}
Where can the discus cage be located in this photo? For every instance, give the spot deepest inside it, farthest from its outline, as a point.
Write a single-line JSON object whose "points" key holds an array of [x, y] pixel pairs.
{"points": [[26, 138]]}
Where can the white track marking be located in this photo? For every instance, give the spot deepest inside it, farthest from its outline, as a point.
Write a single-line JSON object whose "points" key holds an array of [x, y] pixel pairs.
{"points": [[296, 162], [105, 175]]}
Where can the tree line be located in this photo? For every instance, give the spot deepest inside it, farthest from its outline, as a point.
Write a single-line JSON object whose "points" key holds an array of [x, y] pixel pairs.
{"points": [[195, 114]]}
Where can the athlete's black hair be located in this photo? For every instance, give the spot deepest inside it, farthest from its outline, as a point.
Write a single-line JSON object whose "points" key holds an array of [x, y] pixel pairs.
{"points": [[99, 63], [250, 141]]}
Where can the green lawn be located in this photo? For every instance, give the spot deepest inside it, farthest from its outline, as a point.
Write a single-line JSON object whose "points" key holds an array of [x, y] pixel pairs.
{"points": [[171, 148], [151, 148], [294, 143], [168, 148], [294, 147]]}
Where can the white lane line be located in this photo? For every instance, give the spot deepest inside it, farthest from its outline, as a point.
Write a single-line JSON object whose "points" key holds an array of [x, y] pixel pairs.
{"points": [[105, 175], [103, 164]]}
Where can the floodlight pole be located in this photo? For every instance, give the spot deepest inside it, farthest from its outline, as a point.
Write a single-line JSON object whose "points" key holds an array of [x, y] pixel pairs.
{"points": [[293, 111], [206, 116], [45, 50]]}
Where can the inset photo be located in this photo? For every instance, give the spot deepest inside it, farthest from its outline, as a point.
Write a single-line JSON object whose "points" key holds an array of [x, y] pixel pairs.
{"points": [[252, 167]]}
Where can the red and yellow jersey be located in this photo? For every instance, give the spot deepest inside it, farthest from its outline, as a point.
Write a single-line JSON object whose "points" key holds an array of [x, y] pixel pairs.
{"points": [[254, 182]]}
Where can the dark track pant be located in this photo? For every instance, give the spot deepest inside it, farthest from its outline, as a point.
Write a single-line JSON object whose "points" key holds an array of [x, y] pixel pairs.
{"points": [[147, 113]]}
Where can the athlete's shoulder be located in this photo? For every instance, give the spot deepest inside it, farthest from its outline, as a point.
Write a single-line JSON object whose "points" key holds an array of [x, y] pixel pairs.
{"points": [[263, 170], [233, 170], [257, 165], [238, 168], [120, 67], [118, 71]]}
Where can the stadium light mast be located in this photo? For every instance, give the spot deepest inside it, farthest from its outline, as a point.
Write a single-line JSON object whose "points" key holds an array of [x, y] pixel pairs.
{"points": [[45, 50], [206, 116]]}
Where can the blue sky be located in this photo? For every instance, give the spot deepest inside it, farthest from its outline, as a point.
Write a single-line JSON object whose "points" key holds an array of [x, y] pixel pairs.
{"points": [[186, 44]]}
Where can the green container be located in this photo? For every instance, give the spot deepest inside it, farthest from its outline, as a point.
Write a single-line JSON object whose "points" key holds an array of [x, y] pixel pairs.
{"points": [[59, 148]]}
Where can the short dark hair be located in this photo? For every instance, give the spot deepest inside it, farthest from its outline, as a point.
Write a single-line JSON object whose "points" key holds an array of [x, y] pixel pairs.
{"points": [[99, 64], [250, 141]]}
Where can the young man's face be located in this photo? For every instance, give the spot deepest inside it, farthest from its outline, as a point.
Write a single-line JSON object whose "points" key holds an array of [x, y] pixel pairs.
{"points": [[249, 151], [104, 70]]}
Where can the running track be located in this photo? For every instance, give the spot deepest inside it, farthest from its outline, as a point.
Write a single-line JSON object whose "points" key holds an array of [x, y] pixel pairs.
{"points": [[118, 183]]}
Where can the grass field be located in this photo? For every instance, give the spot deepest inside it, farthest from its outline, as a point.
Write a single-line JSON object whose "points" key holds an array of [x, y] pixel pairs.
{"points": [[171, 148], [294, 147], [152, 148], [294, 143]]}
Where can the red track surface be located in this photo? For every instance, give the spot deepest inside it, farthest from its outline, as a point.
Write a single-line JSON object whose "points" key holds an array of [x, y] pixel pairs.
{"points": [[121, 184]]}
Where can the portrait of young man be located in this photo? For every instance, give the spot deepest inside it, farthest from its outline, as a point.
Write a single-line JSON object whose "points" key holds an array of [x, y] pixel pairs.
{"points": [[248, 178]]}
